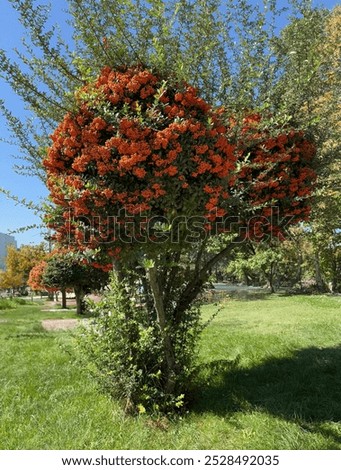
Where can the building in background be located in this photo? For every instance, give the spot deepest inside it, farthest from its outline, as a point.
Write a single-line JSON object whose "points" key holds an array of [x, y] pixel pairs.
{"points": [[5, 241]]}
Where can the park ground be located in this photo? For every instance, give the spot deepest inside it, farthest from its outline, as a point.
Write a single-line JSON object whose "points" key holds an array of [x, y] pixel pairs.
{"points": [[270, 378]]}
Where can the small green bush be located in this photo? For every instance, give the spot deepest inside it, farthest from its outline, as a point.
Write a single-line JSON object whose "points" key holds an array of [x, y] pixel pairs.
{"points": [[12, 302], [123, 347], [6, 304], [19, 301]]}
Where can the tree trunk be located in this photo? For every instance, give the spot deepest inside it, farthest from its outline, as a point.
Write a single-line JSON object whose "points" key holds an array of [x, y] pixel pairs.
{"points": [[147, 297], [335, 274], [245, 278], [64, 298], [300, 270], [79, 293], [321, 285], [271, 278], [161, 319]]}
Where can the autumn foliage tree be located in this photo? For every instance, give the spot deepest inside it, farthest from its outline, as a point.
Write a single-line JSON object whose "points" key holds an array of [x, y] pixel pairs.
{"points": [[19, 263], [35, 279], [142, 173]]}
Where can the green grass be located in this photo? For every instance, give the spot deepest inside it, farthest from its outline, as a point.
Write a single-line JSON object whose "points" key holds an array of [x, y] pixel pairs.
{"points": [[274, 383], [6, 304]]}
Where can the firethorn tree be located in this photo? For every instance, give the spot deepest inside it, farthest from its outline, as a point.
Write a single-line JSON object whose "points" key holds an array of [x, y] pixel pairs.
{"points": [[36, 283], [67, 271], [143, 172]]}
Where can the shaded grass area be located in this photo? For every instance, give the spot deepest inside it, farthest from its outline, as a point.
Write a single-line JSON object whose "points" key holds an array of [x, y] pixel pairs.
{"points": [[303, 389], [270, 378]]}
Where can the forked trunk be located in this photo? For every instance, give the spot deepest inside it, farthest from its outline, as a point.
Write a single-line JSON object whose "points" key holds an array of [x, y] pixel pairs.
{"points": [[161, 319]]}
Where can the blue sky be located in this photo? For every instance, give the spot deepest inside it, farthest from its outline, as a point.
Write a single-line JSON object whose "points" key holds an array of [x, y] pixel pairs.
{"points": [[13, 216]]}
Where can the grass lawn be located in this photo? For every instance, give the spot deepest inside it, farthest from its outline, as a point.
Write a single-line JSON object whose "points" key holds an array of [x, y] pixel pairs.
{"points": [[274, 383]]}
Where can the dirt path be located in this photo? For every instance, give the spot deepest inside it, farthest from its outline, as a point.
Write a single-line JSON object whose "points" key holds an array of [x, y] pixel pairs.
{"points": [[60, 324]]}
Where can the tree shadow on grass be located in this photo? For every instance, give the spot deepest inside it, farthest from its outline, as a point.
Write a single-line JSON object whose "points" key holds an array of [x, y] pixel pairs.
{"points": [[305, 388]]}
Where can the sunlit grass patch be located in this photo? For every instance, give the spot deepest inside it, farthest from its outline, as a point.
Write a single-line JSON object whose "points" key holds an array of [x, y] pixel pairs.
{"points": [[269, 379]]}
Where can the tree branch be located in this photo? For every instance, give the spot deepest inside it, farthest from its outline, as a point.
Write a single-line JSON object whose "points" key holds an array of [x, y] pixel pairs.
{"points": [[194, 287]]}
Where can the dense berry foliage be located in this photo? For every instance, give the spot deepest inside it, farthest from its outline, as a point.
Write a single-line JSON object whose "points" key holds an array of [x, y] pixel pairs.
{"points": [[274, 177], [35, 280], [137, 148]]}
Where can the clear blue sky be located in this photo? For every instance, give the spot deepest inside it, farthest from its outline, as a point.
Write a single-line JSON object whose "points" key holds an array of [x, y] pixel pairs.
{"points": [[13, 216]]}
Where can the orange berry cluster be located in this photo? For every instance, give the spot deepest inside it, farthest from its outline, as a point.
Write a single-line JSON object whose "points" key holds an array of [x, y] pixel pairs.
{"points": [[139, 147]]}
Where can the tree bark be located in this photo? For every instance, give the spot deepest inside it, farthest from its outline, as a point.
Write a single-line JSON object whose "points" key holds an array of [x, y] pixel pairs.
{"points": [[321, 285], [79, 293], [148, 298], [161, 319], [335, 274], [271, 278], [64, 298]]}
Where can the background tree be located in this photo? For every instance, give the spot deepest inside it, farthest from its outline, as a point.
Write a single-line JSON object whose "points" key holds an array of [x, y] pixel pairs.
{"points": [[35, 280], [326, 221], [68, 271], [287, 264], [63, 271], [18, 263], [309, 88], [12, 277]]}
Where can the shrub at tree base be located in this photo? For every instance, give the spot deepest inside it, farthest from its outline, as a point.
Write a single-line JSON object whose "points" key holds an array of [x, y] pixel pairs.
{"points": [[142, 175], [126, 353]]}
